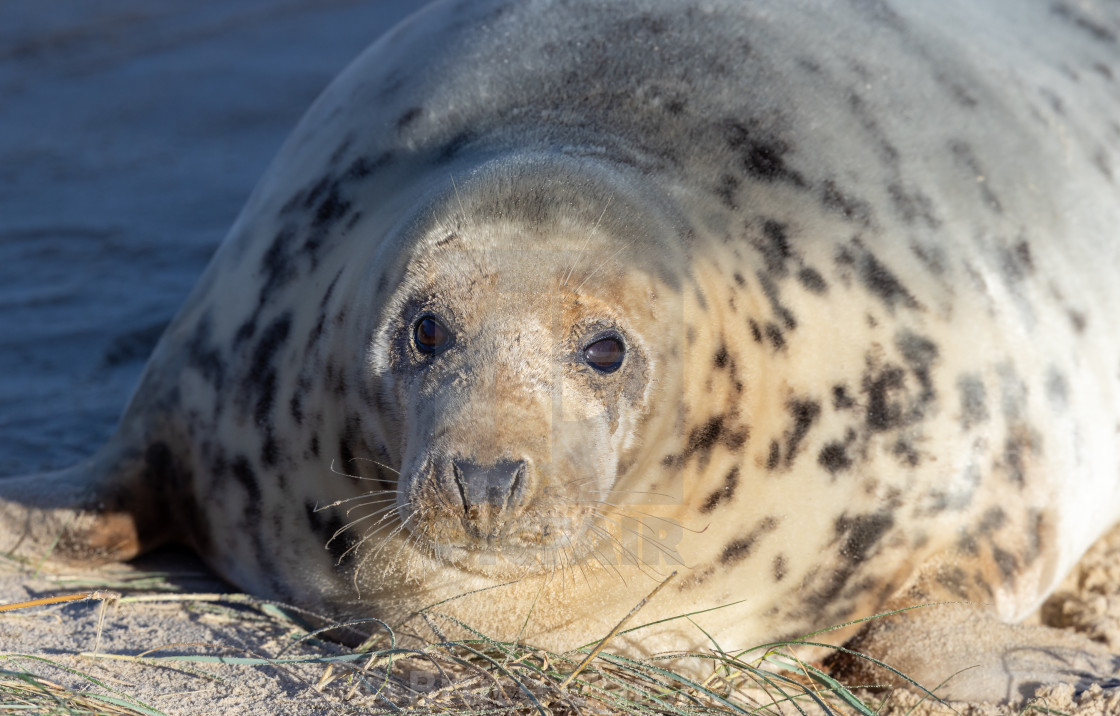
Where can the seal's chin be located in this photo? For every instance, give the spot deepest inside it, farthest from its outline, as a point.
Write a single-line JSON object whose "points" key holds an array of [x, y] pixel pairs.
{"points": [[534, 542]]}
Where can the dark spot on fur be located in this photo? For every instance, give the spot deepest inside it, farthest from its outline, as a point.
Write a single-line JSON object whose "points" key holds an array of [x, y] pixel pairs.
{"points": [[960, 95], [204, 357], [967, 545], [317, 331], [739, 280], [805, 413], [953, 580], [261, 378], [879, 280], [1036, 522], [330, 210], [1006, 562], [834, 457], [851, 209], [1077, 320], [1103, 165], [1016, 262], [920, 353], [774, 335], [756, 332], [1016, 448], [775, 247], [770, 289], [992, 519], [912, 206], [408, 117], [295, 408], [774, 458], [243, 472], [345, 455], [1022, 251], [340, 151], [335, 379], [727, 189], [1074, 17], [363, 167], [974, 400], [245, 331], [762, 157], [1057, 389], [780, 567], [720, 358], [884, 413], [457, 144], [739, 549], [270, 450], [276, 265], [316, 192], [965, 156], [723, 494], [702, 439], [812, 281], [905, 452], [840, 398], [879, 12], [862, 533], [933, 258]]}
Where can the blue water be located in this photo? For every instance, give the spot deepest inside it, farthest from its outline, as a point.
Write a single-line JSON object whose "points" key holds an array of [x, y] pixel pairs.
{"points": [[131, 132]]}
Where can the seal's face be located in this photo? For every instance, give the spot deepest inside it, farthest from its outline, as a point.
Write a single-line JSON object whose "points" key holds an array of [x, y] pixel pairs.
{"points": [[519, 376]]}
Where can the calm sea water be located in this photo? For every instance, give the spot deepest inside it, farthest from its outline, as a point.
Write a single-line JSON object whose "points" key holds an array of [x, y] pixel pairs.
{"points": [[131, 132]]}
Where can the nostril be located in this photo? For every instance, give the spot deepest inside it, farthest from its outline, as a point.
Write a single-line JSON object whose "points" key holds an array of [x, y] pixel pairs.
{"points": [[500, 485], [517, 486], [459, 482]]}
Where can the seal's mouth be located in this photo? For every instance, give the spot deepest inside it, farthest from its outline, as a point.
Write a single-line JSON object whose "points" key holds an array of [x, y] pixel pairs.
{"points": [[502, 512]]}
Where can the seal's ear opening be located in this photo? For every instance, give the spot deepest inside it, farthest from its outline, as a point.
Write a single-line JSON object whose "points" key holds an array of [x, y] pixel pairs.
{"points": [[94, 512]]}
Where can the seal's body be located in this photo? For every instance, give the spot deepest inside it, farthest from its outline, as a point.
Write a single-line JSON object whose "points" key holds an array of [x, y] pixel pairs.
{"points": [[810, 302]]}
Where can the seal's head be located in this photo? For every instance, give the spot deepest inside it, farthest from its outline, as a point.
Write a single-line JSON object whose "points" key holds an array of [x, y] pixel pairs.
{"points": [[519, 352]]}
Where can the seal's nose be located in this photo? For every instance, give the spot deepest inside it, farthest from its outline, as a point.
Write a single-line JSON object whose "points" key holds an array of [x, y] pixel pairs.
{"points": [[499, 486]]}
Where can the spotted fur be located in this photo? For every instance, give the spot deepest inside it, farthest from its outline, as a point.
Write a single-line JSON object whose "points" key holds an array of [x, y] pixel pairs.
{"points": [[862, 257]]}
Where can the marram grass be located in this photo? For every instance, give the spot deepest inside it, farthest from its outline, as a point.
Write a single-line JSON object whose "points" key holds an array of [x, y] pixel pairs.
{"points": [[473, 675]]}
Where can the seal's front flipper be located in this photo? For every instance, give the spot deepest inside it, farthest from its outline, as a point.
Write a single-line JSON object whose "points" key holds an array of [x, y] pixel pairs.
{"points": [[962, 652], [97, 511]]}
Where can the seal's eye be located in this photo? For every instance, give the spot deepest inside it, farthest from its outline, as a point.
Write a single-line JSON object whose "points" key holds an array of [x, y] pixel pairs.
{"points": [[605, 355], [430, 335]]}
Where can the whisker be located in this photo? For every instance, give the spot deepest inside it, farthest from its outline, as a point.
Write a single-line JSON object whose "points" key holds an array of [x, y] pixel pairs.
{"points": [[586, 240], [375, 462], [648, 539], [602, 264], [353, 477], [373, 496], [359, 520], [623, 510]]}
